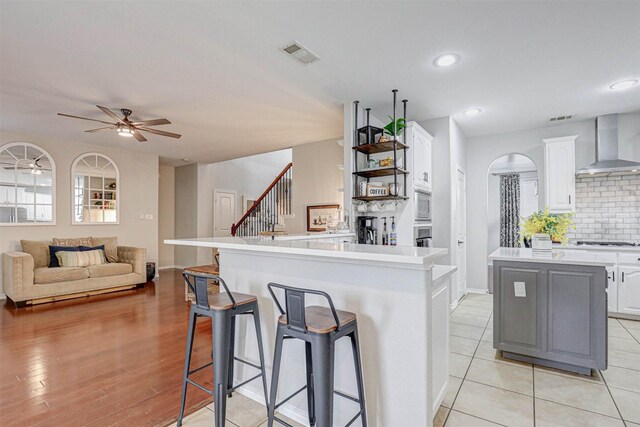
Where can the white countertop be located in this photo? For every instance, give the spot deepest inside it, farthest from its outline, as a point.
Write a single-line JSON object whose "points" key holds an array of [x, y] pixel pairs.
{"points": [[408, 255], [557, 256]]}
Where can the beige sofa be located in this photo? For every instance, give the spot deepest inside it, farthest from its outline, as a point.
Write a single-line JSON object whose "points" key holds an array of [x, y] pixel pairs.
{"points": [[27, 279]]}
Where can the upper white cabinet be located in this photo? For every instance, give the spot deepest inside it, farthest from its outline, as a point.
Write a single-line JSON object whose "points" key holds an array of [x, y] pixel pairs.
{"points": [[420, 142], [560, 173]]}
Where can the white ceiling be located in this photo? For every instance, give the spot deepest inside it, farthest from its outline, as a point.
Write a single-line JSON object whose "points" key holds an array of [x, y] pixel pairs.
{"points": [[214, 68]]}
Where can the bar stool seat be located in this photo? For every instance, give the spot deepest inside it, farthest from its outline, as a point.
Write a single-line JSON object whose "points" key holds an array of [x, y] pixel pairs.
{"points": [[320, 320], [223, 302]]}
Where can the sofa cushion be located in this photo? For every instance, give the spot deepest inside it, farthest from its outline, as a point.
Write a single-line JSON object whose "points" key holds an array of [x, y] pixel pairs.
{"points": [[44, 275], [53, 259], [111, 269], [81, 258], [74, 241], [110, 247], [39, 250]]}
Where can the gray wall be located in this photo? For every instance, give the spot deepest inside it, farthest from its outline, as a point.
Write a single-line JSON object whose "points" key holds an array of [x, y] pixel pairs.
{"points": [[166, 215], [138, 196], [483, 150], [186, 209]]}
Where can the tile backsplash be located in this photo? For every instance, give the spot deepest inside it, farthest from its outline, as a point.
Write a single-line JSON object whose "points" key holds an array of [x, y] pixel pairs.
{"points": [[607, 208]]}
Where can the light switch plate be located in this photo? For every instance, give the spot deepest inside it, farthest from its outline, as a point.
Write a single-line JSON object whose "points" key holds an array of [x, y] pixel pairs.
{"points": [[519, 289]]}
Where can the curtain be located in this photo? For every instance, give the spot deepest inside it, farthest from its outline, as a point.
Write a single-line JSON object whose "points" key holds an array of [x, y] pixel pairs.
{"points": [[509, 210]]}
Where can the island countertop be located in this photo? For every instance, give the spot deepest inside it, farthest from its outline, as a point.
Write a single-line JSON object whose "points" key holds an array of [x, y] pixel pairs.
{"points": [[557, 256], [408, 256]]}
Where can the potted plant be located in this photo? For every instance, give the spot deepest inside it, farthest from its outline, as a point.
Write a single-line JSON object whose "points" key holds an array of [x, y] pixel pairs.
{"points": [[542, 222], [400, 124]]}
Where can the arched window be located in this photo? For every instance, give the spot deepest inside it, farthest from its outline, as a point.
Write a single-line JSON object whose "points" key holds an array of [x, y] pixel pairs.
{"points": [[95, 186], [27, 185]]}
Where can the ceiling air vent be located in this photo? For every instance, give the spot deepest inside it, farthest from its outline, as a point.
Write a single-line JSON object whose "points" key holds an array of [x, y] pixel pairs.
{"points": [[300, 53], [560, 118]]}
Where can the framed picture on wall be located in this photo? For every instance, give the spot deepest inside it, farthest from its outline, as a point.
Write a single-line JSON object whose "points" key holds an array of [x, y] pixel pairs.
{"points": [[247, 202], [319, 217]]}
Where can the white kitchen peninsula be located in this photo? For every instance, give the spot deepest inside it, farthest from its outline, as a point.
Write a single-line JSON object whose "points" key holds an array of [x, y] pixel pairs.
{"points": [[390, 290]]}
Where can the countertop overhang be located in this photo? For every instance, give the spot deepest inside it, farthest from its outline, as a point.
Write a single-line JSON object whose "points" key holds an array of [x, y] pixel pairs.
{"points": [[408, 256], [557, 256]]}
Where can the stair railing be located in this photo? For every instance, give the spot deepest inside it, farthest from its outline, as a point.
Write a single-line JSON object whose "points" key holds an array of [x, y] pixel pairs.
{"points": [[265, 212]]}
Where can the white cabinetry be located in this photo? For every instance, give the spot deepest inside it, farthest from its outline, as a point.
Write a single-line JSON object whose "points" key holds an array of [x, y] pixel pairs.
{"points": [[612, 289], [420, 142], [560, 173], [629, 289], [441, 280]]}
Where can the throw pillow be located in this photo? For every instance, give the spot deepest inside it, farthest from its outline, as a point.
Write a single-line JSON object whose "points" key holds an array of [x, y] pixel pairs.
{"points": [[110, 247], [53, 250], [75, 241], [80, 259], [39, 250]]}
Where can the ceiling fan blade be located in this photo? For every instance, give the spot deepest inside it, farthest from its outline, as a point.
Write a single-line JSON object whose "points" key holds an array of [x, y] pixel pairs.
{"points": [[154, 122], [137, 135], [84, 118], [160, 132], [101, 129], [110, 113]]}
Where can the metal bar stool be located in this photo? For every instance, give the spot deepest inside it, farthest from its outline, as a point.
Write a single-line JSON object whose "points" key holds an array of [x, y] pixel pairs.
{"points": [[320, 328], [222, 309]]}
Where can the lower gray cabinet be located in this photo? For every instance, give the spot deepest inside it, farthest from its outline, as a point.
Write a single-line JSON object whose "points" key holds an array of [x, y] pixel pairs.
{"points": [[551, 314]]}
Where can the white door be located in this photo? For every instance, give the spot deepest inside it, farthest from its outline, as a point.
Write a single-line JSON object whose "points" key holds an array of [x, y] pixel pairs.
{"points": [[460, 215], [224, 212], [629, 290]]}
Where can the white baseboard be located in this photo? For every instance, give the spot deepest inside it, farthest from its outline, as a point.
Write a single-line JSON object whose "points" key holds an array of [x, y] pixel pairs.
{"points": [[169, 267], [3, 296], [477, 291]]}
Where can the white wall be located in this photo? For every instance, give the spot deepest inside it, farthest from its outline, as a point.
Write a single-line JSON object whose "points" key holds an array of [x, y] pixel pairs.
{"points": [[483, 150], [166, 216], [316, 180], [138, 191]]}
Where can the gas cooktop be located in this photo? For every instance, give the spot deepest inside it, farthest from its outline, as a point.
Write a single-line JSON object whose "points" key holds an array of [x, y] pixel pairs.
{"points": [[600, 243]]}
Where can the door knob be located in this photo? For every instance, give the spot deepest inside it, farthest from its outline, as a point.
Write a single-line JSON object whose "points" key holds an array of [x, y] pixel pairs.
{"points": [[460, 242]]}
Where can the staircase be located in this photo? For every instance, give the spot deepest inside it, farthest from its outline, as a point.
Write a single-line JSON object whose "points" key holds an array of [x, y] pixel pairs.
{"points": [[271, 207]]}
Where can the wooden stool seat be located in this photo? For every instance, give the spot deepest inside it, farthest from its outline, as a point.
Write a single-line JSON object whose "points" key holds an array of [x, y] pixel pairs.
{"points": [[223, 302], [320, 320]]}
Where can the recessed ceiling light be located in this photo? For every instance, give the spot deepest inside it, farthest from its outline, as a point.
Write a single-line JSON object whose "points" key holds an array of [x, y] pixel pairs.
{"points": [[472, 111], [186, 160], [446, 60], [623, 84]]}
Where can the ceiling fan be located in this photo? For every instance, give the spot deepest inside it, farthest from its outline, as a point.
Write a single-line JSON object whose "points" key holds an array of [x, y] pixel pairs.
{"points": [[126, 127]]}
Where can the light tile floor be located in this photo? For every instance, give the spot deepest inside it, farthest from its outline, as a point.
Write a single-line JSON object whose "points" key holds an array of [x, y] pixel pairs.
{"points": [[487, 390]]}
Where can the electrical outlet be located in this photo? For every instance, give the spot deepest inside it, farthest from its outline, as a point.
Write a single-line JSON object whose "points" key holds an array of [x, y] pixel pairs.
{"points": [[148, 216], [519, 289]]}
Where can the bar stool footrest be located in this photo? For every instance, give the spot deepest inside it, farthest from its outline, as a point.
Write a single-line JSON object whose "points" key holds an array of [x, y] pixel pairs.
{"points": [[203, 388], [276, 406]]}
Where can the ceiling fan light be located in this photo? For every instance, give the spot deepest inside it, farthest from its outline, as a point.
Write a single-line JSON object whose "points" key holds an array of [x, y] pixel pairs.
{"points": [[125, 131]]}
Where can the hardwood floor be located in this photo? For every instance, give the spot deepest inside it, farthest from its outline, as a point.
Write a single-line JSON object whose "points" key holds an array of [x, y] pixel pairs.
{"points": [[112, 359]]}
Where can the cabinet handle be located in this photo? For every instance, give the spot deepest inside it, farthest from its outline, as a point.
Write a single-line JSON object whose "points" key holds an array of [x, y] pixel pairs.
{"points": [[614, 276], [569, 198], [623, 277]]}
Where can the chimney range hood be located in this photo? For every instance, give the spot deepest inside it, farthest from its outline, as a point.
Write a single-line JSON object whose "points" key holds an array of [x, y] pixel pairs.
{"points": [[607, 160]]}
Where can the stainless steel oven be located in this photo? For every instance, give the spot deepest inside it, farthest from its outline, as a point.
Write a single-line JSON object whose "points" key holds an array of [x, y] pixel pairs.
{"points": [[422, 236], [422, 206]]}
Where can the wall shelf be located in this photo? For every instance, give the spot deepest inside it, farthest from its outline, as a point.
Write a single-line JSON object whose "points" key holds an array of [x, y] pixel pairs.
{"points": [[374, 173], [380, 198], [380, 147]]}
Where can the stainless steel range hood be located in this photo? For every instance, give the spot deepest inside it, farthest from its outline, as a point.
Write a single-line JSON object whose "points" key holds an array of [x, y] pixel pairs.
{"points": [[607, 160]]}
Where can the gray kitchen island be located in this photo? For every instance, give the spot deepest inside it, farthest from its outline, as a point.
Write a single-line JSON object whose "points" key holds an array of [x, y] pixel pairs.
{"points": [[551, 309]]}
